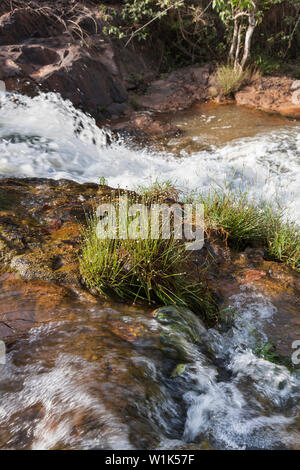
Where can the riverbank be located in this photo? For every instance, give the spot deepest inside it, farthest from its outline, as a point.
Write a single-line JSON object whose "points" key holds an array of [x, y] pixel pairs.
{"points": [[65, 50]]}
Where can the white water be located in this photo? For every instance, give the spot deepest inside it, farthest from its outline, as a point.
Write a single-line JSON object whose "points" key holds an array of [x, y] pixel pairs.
{"points": [[46, 137], [254, 407], [52, 395]]}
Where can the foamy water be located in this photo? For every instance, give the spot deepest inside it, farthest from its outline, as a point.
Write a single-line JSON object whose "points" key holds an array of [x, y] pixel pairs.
{"points": [[258, 402], [46, 137], [233, 398], [53, 395]]}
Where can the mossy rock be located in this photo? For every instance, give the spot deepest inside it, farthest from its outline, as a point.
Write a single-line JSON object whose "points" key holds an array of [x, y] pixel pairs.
{"points": [[182, 334]]}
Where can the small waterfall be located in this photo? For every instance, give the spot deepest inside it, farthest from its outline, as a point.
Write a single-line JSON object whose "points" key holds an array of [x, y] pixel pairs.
{"points": [[80, 382], [46, 137]]}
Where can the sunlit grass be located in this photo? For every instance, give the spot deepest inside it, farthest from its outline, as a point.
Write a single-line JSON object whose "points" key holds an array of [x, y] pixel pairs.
{"points": [[147, 270], [243, 222], [229, 80], [156, 271]]}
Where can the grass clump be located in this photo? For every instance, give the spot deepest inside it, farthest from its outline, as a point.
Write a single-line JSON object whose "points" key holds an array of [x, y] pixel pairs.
{"points": [[229, 80], [242, 222], [283, 240], [143, 269], [159, 191]]}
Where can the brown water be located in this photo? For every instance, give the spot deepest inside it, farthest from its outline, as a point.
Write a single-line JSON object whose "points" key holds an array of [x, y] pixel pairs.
{"points": [[206, 125]]}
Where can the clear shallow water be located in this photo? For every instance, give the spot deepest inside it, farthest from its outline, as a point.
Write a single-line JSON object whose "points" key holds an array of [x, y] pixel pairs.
{"points": [[79, 384], [46, 137]]}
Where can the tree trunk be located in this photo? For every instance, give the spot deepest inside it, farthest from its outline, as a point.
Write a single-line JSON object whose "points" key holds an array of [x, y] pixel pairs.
{"points": [[238, 46], [234, 40], [248, 38]]}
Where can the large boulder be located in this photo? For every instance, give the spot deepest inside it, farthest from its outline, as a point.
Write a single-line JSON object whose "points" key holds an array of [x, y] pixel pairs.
{"points": [[179, 90]]}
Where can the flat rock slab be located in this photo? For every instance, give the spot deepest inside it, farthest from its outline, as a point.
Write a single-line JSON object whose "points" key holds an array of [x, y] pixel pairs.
{"points": [[278, 95]]}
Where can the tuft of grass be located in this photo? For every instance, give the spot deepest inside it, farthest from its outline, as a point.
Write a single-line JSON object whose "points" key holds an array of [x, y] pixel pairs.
{"points": [[234, 216], [142, 269], [159, 191], [229, 80], [242, 222], [282, 239]]}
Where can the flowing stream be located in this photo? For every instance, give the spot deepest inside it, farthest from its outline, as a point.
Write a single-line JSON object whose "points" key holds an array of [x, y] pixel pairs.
{"points": [[82, 382]]}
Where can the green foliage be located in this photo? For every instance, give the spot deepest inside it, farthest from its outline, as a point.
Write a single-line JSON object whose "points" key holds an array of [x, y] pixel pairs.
{"points": [[197, 31], [142, 269], [268, 351], [229, 80], [243, 222], [227, 8], [179, 370], [241, 18], [266, 64], [102, 181], [139, 13]]}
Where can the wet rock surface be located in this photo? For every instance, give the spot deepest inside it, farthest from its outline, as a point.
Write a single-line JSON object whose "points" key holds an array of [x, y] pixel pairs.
{"points": [[109, 367], [229, 273], [47, 47], [144, 124], [40, 223], [87, 373], [26, 304], [63, 49]]}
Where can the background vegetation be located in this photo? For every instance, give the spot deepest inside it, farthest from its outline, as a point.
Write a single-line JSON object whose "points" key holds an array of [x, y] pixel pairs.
{"points": [[197, 31]]}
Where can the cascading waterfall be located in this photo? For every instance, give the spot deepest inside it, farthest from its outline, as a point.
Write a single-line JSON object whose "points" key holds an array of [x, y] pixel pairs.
{"points": [[46, 137], [230, 397]]}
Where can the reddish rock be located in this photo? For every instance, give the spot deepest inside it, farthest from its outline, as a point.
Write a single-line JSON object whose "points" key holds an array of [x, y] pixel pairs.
{"points": [[27, 304], [20, 24], [277, 95], [251, 275], [58, 48]]}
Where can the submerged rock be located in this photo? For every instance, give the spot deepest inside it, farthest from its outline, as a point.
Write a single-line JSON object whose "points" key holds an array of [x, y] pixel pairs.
{"points": [[27, 304], [144, 124], [183, 333]]}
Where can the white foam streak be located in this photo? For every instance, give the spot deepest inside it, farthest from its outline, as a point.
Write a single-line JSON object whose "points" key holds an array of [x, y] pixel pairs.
{"points": [[46, 137], [233, 413]]}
